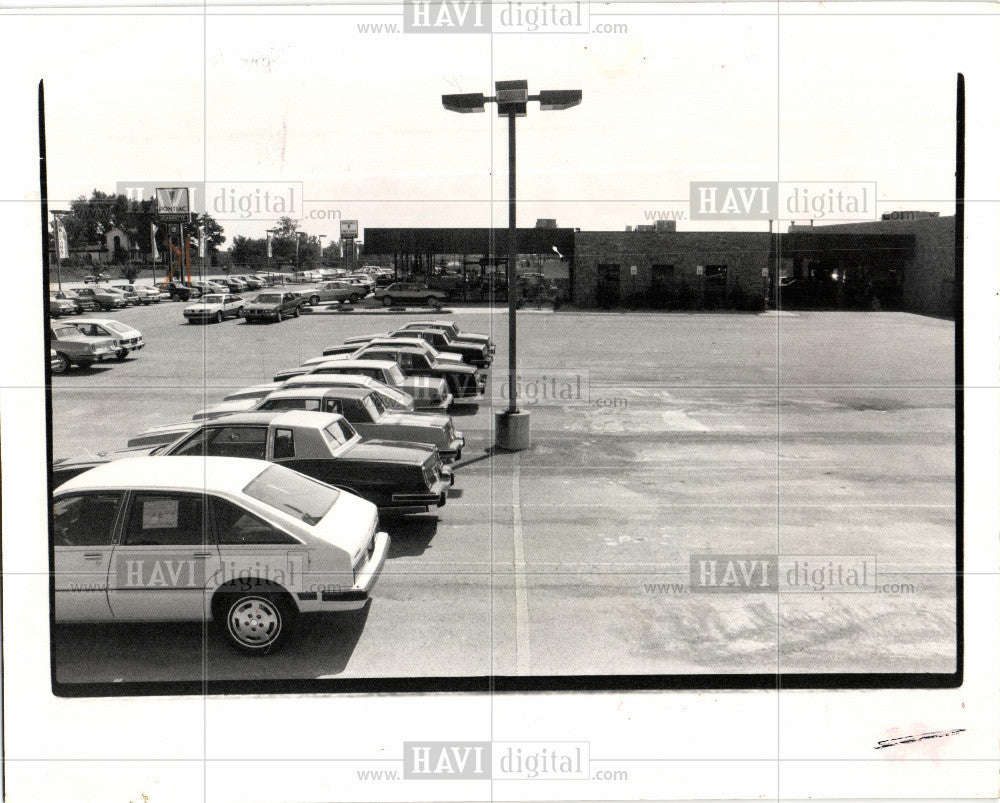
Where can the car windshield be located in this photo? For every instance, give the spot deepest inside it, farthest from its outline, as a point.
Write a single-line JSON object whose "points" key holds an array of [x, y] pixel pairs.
{"points": [[268, 298], [213, 299], [293, 493]]}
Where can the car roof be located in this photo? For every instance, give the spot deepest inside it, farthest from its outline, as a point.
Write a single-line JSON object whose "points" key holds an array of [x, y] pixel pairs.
{"points": [[98, 320], [339, 379], [394, 346], [339, 392], [289, 418], [184, 473], [362, 363]]}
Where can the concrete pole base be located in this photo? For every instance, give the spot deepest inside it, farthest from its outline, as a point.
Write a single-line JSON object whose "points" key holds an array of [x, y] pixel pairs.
{"points": [[513, 430]]}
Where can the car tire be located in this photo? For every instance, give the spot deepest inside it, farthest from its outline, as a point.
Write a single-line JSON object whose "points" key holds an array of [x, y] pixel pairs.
{"points": [[280, 317], [62, 366], [354, 299], [295, 312], [257, 623], [217, 317], [314, 301], [121, 354], [387, 301]]}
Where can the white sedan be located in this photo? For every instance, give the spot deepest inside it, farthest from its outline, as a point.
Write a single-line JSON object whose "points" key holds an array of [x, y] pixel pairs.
{"points": [[126, 337], [245, 544], [214, 307]]}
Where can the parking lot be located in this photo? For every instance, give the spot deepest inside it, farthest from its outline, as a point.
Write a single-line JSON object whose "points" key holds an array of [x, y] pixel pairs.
{"points": [[820, 434]]}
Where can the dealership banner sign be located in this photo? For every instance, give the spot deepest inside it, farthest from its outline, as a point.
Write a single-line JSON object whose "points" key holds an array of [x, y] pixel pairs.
{"points": [[831, 201]]}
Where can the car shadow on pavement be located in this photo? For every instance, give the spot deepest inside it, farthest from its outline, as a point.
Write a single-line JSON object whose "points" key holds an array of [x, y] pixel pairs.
{"points": [[458, 410], [320, 645], [88, 373], [411, 535]]}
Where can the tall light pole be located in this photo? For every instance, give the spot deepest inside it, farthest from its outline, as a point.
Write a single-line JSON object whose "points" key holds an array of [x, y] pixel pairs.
{"points": [[513, 430]]}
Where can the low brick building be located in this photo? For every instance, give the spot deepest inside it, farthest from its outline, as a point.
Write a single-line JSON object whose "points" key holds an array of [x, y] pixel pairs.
{"points": [[670, 269], [912, 265]]}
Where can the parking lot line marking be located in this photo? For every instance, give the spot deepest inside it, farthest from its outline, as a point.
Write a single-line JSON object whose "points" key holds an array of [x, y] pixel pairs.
{"points": [[522, 643]]}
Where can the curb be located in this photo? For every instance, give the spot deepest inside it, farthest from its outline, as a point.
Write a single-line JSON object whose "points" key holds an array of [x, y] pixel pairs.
{"points": [[352, 311]]}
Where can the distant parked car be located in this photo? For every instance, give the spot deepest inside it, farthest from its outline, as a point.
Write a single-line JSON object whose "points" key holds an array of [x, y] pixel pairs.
{"points": [[409, 293], [95, 278], [82, 302], [147, 295], [335, 291], [272, 305], [451, 329], [477, 354], [178, 291], [233, 284], [103, 299], [215, 307], [194, 532], [429, 393], [125, 337], [131, 296], [72, 347], [62, 306], [370, 417], [209, 287], [465, 382], [409, 339], [252, 282]]}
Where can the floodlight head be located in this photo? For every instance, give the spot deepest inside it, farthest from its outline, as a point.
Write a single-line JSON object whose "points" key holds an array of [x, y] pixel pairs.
{"points": [[557, 99], [512, 98], [467, 103]]}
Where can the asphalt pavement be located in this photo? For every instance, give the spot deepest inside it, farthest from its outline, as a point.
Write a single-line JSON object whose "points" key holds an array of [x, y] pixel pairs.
{"points": [[828, 435]]}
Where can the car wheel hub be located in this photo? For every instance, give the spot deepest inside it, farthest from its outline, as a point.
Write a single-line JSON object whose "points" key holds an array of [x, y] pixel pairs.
{"points": [[254, 622]]}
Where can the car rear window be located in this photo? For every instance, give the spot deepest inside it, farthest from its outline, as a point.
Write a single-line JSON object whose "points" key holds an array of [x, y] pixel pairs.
{"points": [[268, 298], [293, 493]]}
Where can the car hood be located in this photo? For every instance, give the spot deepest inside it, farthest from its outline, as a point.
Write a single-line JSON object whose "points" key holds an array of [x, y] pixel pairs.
{"points": [[262, 305], [158, 436], [89, 460], [203, 305], [414, 419], [389, 452]]}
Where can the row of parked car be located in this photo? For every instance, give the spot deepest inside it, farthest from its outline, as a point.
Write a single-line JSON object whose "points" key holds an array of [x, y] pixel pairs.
{"points": [[102, 299], [266, 506]]}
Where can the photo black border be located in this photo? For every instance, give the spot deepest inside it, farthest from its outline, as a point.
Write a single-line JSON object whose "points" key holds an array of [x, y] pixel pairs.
{"points": [[552, 683]]}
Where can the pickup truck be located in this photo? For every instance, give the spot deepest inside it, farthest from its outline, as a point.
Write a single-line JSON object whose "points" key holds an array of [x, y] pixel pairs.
{"points": [[72, 347], [320, 445]]}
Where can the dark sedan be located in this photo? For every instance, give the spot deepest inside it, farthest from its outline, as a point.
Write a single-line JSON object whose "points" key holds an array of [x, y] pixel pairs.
{"points": [[321, 445], [272, 306]]}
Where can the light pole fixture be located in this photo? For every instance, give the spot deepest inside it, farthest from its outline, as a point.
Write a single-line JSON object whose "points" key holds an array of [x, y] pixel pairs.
{"points": [[513, 430], [320, 238]]}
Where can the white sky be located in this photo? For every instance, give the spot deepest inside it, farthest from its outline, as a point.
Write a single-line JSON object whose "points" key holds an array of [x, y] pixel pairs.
{"points": [[291, 94]]}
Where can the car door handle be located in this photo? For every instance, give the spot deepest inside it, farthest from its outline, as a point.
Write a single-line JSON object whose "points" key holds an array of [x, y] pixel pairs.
{"points": [[93, 555], [201, 554]]}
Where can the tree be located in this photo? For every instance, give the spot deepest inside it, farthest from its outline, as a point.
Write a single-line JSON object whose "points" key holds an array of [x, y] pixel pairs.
{"points": [[249, 251]]}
